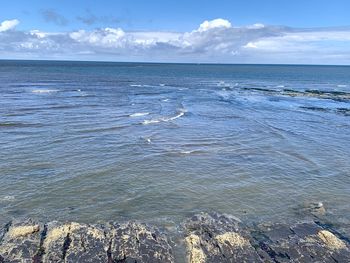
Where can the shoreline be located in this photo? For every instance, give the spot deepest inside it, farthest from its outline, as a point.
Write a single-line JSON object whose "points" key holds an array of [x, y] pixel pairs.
{"points": [[204, 238]]}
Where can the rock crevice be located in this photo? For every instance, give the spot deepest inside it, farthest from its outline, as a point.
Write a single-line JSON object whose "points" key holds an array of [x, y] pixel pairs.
{"points": [[207, 238]]}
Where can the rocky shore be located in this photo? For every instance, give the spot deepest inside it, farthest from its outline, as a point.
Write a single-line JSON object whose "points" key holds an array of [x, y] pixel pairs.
{"points": [[206, 238]]}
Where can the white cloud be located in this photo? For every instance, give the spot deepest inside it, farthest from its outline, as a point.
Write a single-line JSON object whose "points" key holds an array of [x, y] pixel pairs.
{"points": [[8, 24], [256, 26], [107, 37], [216, 23], [213, 41]]}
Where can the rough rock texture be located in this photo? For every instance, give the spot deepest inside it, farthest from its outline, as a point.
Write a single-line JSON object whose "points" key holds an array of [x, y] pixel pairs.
{"points": [[207, 237], [20, 241], [302, 242], [218, 238], [72, 242], [133, 242]]}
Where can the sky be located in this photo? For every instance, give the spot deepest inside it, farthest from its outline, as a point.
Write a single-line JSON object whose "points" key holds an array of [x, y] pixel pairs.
{"points": [[222, 31]]}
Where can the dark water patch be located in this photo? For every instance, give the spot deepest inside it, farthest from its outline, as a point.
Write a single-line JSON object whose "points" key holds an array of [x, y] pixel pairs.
{"points": [[20, 125], [342, 111], [333, 95], [261, 89], [103, 129], [316, 108], [345, 111]]}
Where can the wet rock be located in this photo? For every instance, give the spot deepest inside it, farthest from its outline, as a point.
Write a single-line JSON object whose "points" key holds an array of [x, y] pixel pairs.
{"points": [[208, 238], [135, 242], [56, 242], [88, 243], [302, 242], [218, 238], [20, 241], [73, 242], [315, 208]]}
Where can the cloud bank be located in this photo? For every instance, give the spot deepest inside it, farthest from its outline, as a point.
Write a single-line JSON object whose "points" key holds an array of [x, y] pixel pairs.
{"points": [[8, 25], [215, 41]]}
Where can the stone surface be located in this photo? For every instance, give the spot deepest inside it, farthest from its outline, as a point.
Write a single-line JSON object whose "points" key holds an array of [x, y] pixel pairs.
{"points": [[20, 241], [302, 242], [73, 242], [134, 242], [218, 238], [207, 238], [29, 241]]}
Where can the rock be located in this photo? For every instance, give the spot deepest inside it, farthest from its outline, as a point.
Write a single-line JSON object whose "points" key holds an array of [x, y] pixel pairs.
{"points": [[73, 242], [315, 209], [88, 243], [20, 241], [218, 238], [208, 238], [302, 242], [135, 242], [56, 242]]}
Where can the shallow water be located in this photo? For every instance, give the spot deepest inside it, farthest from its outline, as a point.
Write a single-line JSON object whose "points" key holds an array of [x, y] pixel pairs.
{"points": [[159, 142]]}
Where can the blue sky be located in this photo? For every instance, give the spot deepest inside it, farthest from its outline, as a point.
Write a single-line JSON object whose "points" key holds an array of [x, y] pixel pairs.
{"points": [[284, 31], [179, 15]]}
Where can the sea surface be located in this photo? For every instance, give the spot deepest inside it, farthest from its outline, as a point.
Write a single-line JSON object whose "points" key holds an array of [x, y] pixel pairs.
{"points": [[90, 141]]}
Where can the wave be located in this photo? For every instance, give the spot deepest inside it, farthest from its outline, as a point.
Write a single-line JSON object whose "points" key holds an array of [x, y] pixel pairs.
{"points": [[44, 90], [19, 125], [192, 152], [165, 119], [7, 198], [139, 114], [342, 111]]}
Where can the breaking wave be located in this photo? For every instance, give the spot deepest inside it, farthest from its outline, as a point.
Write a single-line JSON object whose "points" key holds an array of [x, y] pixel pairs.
{"points": [[44, 90], [165, 119], [139, 114]]}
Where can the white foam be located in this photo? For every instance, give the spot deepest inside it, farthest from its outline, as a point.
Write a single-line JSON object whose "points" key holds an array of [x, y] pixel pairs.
{"points": [[165, 119], [135, 85], [342, 86], [7, 198], [146, 122], [165, 100], [280, 86], [162, 84], [44, 90], [187, 152], [175, 117], [138, 114]]}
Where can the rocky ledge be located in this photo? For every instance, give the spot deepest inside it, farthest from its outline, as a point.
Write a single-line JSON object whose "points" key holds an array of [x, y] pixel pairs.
{"points": [[207, 238]]}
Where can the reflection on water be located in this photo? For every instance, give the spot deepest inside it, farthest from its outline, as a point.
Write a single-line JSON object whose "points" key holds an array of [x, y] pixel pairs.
{"points": [[102, 141]]}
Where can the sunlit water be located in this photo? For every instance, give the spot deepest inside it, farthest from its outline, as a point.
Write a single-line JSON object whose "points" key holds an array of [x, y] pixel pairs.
{"points": [[160, 142]]}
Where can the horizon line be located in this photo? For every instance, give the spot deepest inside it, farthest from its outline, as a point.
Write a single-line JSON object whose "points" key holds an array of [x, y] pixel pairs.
{"points": [[178, 63]]}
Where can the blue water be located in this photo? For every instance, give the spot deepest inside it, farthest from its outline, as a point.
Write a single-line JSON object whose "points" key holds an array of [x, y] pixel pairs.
{"points": [[91, 141]]}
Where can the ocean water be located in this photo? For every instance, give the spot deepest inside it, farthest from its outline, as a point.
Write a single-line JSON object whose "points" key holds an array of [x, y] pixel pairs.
{"points": [[91, 142]]}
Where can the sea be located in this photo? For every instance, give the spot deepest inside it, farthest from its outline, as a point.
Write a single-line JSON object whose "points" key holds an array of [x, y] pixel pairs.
{"points": [[101, 141]]}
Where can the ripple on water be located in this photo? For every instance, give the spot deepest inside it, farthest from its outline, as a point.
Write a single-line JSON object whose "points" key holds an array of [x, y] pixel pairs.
{"points": [[44, 91], [165, 119]]}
